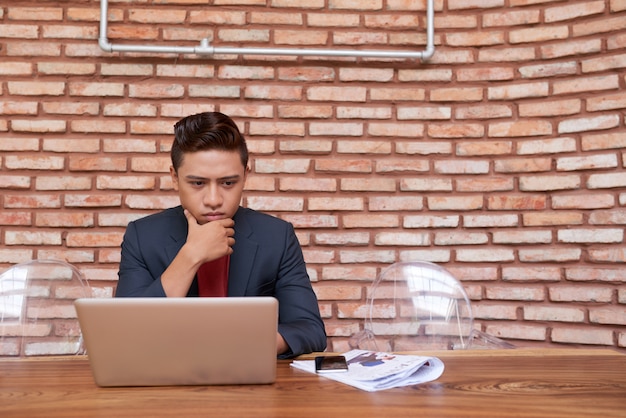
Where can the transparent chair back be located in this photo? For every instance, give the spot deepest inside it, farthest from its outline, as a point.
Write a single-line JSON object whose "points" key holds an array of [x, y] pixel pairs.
{"points": [[414, 306], [37, 314]]}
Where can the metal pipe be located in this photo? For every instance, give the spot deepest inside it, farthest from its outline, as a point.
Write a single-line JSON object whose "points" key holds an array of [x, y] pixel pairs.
{"points": [[205, 49]]}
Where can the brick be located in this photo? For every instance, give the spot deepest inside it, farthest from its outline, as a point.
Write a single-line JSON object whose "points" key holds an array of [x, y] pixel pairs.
{"points": [[348, 238], [588, 236], [454, 203], [549, 255], [518, 331], [482, 38], [467, 94], [553, 313], [597, 26], [343, 165], [306, 112], [568, 49], [94, 239], [431, 221], [548, 69], [519, 293], [63, 183], [406, 130], [370, 221], [71, 108], [611, 255], [511, 17], [15, 255], [31, 88], [371, 185], [34, 49], [34, 163], [461, 167], [402, 166], [32, 201], [456, 130], [363, 113], [150, 202], [519, 54], [531, 274], [583, 201], [483, 311], [538, 34], [608, 217], [451, 238], [547, 183], [546, 146], [522, 237], [606, 181], [363, 147], [585, 335], [516, 202], [483, 112], [15, 182], [336, 94], [15, 218], [520, 128], [39, 125], [380, 256], [125, 183], [91, 126], [614, 140], [76, 200], [308, 185], [61, 220], [483, 221], [419, 184], [483, 256], [32, 238], [486, 185], [335, 203], [300, 165], [581, 294], [35, 13], [523, 165], [393, 203], [434, 256], [402, 239], [292, 204], [16, 68]]}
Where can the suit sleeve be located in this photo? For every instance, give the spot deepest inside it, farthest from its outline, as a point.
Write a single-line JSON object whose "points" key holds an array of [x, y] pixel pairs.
{"points": [[135, 278], [300, 322]]}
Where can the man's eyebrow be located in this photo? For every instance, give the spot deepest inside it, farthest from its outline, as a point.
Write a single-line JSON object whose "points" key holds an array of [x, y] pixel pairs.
{"points": [[196, 178]]}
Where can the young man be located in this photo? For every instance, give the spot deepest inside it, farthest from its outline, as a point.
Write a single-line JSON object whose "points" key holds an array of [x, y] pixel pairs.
{"points": [[210, 246]]}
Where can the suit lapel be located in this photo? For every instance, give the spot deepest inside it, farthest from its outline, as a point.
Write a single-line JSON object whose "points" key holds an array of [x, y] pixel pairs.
{"points": [[178, 235]]}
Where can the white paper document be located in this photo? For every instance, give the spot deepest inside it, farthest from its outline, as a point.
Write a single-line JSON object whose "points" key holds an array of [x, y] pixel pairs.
{"points": [[373, 371]]}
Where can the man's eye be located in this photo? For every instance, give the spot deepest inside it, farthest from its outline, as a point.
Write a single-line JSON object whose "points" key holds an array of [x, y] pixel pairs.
{"points": [[197, 183]]}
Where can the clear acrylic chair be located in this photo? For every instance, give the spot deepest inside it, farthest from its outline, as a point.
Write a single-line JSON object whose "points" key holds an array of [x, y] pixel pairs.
{"points": [[37, 315], [414, 306]]}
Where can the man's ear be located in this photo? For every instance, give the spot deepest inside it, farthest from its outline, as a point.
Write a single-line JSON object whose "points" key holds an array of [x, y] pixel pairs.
{"points": [[174, 176]]}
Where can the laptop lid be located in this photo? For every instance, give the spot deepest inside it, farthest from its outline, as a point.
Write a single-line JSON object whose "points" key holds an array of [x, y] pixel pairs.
{"points": [[180, 341]]}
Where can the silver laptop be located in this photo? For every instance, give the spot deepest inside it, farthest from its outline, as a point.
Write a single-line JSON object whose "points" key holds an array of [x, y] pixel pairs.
{"points": [[180, 341]]}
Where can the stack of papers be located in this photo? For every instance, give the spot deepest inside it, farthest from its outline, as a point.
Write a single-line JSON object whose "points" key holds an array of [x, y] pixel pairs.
{"points": [[373, 371]]}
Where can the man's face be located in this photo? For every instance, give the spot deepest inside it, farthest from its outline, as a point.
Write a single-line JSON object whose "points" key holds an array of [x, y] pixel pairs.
{"points": [[210, 184]]}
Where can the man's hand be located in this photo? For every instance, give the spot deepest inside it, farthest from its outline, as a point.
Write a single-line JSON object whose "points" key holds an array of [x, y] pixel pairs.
{"points": [[209, 241], [204, 243]]}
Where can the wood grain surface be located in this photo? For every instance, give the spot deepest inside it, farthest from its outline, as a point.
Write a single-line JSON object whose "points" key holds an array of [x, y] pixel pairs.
{"points": [[546, 383]]}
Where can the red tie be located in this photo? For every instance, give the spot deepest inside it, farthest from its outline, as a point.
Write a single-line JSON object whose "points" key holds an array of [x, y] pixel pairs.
{"points": [[213, 278]]}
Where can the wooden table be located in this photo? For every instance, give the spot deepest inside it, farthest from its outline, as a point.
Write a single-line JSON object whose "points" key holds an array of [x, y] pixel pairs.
{"points": [[544, 383]]}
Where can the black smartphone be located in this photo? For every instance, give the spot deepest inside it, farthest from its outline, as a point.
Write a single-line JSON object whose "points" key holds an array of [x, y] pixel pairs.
{"points": [[330, 364]]}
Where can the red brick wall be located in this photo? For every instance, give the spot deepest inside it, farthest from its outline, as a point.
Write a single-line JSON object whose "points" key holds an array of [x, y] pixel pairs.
{"points": [[501, 158]]}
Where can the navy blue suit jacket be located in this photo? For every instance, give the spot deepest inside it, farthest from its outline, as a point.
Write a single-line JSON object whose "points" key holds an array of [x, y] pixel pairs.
{"points": [[266, 261]]}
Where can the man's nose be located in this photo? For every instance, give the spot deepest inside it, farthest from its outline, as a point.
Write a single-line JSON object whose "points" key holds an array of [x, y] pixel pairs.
{"points": [[213, 197]]}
